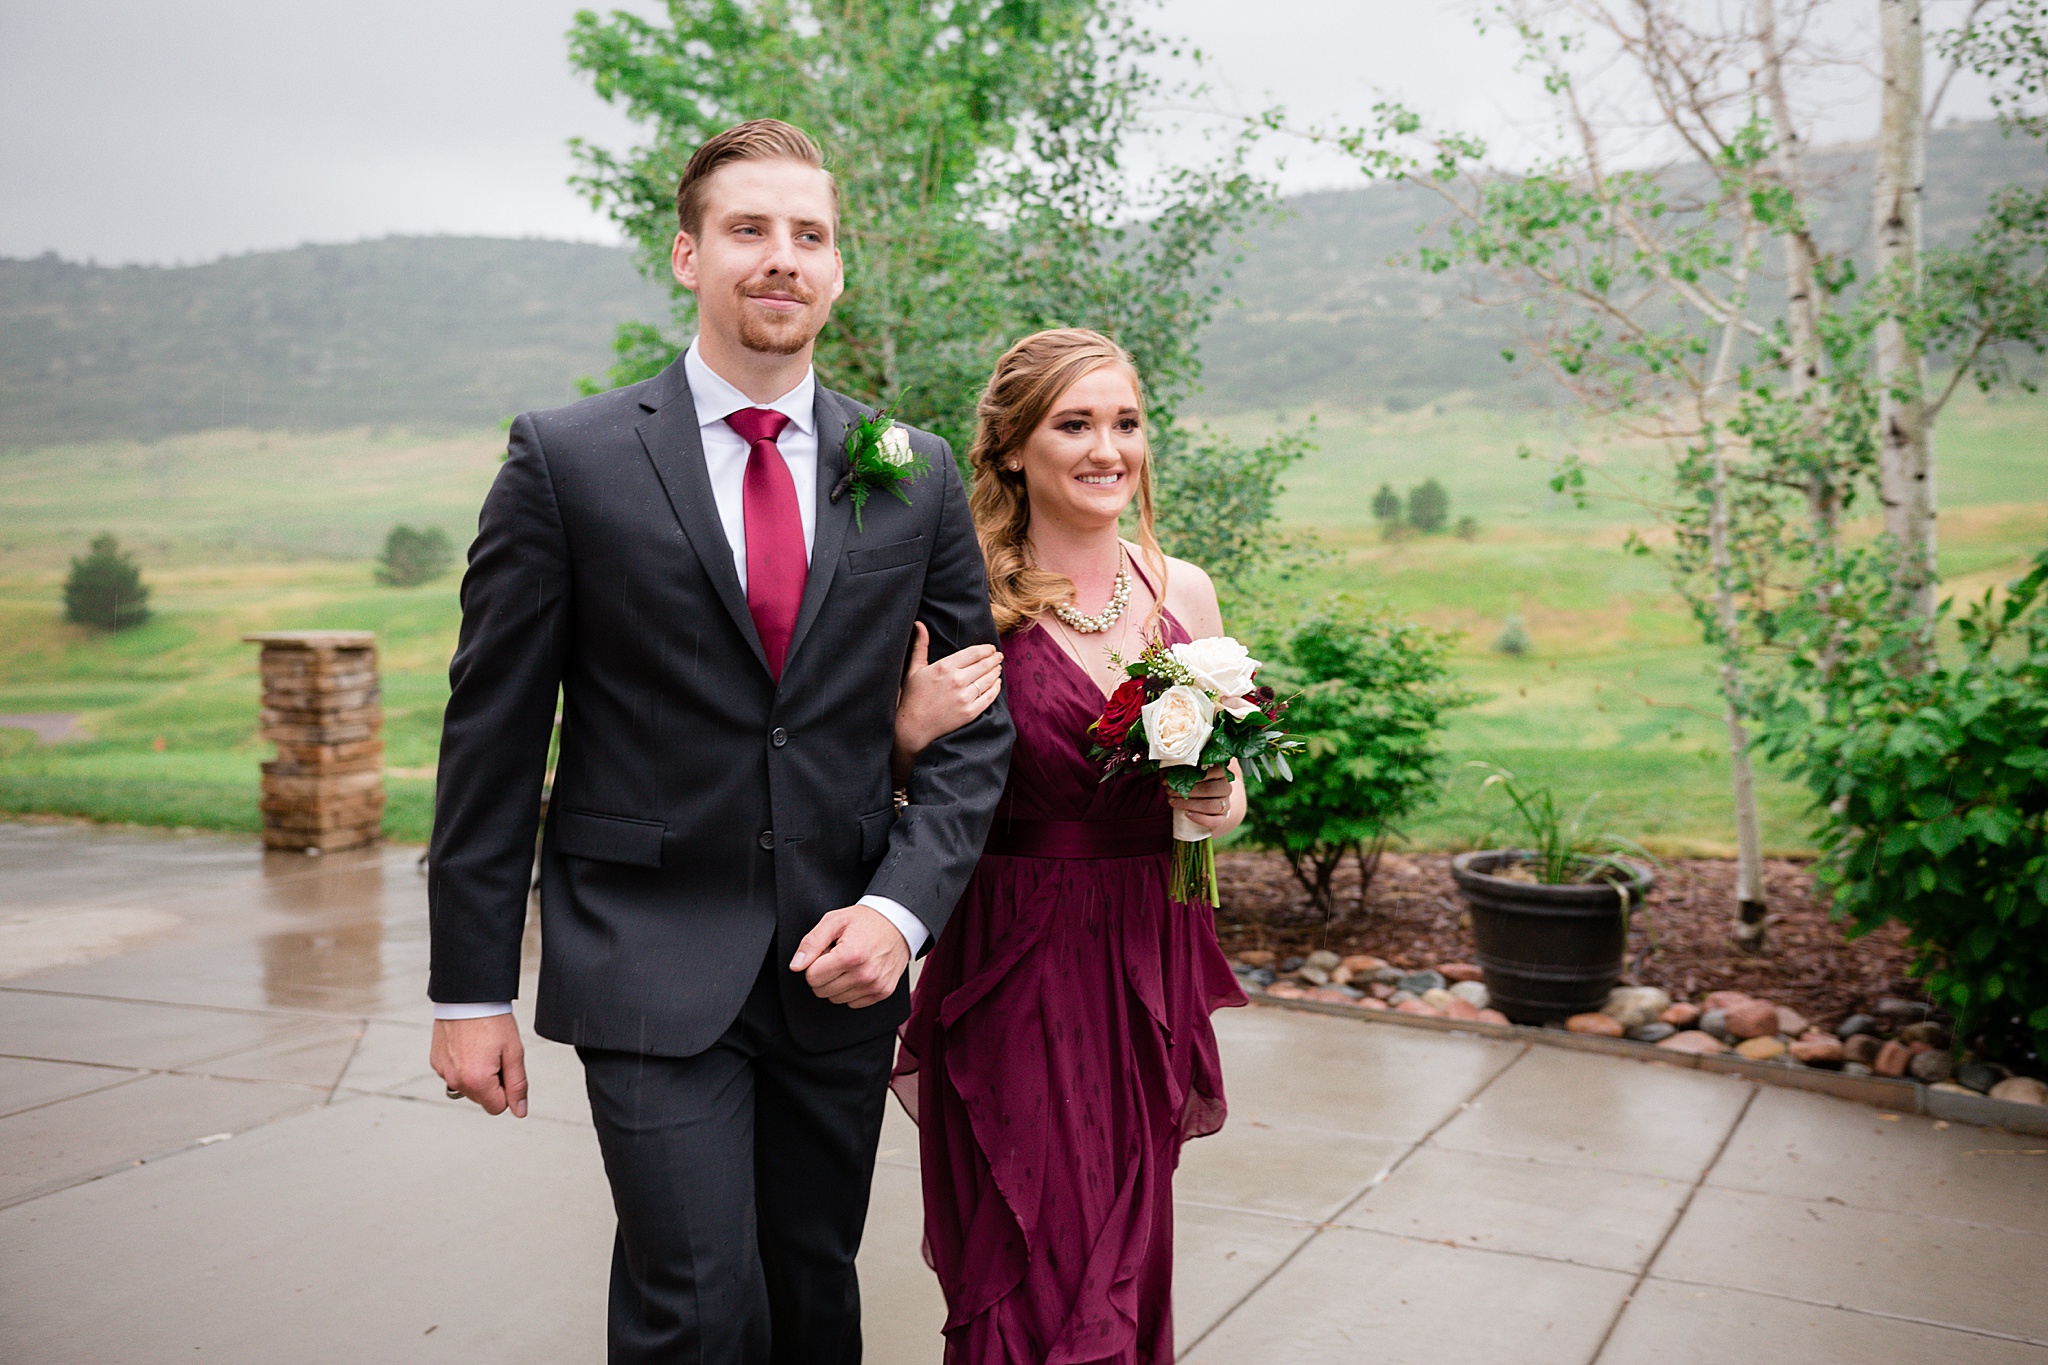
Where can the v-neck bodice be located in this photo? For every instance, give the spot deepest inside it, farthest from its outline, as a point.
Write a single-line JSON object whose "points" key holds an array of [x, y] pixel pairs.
{"points": [[1053, 702]]}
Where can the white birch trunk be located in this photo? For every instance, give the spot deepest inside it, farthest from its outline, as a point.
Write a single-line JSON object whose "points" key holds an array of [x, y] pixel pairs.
{"points": [[1802, 306], [1906, 463], [1751, 909]]}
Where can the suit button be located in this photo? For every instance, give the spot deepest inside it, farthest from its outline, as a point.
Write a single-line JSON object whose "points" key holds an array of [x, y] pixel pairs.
{"points": [[778, 736], [768, 838]]}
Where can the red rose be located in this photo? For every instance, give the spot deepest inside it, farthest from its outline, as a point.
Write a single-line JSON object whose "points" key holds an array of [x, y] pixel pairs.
{"points": [[1120, 713]]}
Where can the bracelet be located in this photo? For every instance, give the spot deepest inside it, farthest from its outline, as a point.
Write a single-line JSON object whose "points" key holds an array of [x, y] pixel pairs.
{"points": [[901, 798]]}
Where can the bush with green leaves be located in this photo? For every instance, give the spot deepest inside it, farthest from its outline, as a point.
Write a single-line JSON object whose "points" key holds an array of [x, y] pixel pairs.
{"points": [[1513, 638], [105, 588], [1367, 693], [1930, 775], [412, 557], [1429, 507]]}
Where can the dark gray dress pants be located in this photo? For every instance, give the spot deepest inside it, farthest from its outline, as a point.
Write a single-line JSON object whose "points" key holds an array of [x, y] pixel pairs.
{"points": [[740, 1177]]}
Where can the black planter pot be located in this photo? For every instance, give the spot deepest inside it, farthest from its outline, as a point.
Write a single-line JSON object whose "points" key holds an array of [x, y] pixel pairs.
{"points": [[1548, 952]]}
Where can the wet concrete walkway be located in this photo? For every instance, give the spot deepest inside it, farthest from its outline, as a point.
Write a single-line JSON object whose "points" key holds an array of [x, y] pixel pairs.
{"points": [[219, 1141]]}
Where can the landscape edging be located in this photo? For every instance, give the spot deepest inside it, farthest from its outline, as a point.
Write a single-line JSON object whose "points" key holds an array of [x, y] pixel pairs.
{"points": [[1902, 1096]]}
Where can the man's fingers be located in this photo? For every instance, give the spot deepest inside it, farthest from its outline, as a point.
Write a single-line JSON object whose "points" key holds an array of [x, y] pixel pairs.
{"points": [[817, 941], [845, 977], [515, 1081], [920, 647], [487, 1091]]}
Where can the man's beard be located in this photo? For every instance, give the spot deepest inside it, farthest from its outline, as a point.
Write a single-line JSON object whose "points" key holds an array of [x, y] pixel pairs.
{"points": [[786, 336]]}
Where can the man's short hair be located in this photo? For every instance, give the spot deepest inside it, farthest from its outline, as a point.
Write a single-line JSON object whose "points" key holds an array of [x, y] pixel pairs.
{"points": [[760, 139]]}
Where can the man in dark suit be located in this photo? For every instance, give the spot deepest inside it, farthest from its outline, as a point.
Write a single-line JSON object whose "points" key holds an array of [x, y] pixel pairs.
{"points": [[729, 895]]}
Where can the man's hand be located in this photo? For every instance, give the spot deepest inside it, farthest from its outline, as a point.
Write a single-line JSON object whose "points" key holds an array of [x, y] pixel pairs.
{"points": [[484, 1059], [854, 957]]}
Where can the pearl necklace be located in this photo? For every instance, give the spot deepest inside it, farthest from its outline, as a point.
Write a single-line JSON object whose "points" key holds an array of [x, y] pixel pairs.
{"points": [[1111, 614]]}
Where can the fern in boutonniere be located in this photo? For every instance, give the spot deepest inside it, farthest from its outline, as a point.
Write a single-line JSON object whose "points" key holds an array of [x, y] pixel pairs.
{"points": [[878, 455]]}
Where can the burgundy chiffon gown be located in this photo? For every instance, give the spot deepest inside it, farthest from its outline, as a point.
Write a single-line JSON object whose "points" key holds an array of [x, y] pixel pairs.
{"points": [[1059, 1051]]}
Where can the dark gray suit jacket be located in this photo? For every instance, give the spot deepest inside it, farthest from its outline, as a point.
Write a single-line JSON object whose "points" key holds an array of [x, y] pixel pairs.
{"points": [[702, 817]]}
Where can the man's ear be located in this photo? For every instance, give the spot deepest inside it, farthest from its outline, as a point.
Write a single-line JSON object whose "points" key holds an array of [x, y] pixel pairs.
{"points": [[682, 261], [838, 275]]}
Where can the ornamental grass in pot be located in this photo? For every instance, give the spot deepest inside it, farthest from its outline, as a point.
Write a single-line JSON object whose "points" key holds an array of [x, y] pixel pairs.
{"points": [[1550, 920]]}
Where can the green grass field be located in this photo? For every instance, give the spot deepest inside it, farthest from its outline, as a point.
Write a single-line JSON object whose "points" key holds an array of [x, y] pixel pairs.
{"points": [[242, 531]]}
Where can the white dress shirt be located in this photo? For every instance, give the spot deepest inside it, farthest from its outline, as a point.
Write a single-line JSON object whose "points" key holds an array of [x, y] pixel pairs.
{"points": [[725, 459]]}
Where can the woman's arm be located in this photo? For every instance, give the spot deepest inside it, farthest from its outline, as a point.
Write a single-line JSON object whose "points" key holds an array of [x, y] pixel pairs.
{"points": [[1217, 801], [938, 698]]}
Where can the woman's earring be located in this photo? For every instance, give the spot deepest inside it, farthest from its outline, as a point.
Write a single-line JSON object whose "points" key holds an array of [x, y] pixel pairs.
{"points": [[1013, 467]]}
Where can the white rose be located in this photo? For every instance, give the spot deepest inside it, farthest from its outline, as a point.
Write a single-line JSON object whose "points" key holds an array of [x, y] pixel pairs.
{"points": [[896, 446], [1178, 724], [1222, 666]]}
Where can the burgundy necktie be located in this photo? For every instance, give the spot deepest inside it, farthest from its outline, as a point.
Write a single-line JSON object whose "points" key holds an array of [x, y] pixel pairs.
{"points": [[776, 562]]}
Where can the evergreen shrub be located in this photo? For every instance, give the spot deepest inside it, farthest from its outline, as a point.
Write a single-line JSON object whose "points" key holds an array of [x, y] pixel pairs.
{"points": [[105, 588]]}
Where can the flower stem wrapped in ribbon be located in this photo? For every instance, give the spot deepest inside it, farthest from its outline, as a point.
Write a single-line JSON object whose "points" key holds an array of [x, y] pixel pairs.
{"points": [[1182, 711]]}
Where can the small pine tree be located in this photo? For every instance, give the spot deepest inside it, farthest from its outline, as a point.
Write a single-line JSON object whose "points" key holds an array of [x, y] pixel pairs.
{"points": [[105, 588], [1513, 638], [1386, 504], [1429, 507], [412, 557]]}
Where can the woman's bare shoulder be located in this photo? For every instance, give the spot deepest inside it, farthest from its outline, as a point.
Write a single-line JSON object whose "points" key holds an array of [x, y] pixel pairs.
{"points": [[1190, 596]]}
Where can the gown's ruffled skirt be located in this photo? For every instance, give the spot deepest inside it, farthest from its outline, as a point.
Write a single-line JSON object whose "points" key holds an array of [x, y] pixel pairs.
{"points": [[1058, 1053]]}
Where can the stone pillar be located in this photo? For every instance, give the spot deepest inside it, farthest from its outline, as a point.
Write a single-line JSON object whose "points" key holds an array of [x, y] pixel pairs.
{"points": [[323, 709]]}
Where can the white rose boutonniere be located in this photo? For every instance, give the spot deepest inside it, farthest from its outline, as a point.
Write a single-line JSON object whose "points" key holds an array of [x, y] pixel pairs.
{"points": [[896, 447], [1223, 668], [878, 455], [1178, 725]]}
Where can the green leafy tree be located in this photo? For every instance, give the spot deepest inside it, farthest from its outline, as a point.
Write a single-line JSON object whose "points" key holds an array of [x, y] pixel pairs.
{"points": [[105, 588], [1932, 786], [983, 150], [1386, 504], [1367, 692], [1429, 507], [414, 556], [1644, 289]]}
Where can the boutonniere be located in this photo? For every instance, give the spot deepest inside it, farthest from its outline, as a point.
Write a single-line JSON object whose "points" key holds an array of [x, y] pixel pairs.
{"points": [[878, 455]]}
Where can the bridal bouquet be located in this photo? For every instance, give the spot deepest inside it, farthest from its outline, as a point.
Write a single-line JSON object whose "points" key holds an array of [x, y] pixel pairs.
{"points": [[1183, 710]]}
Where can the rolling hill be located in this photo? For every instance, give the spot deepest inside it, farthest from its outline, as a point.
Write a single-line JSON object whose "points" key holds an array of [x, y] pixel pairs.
{"points": [[456, 333]]}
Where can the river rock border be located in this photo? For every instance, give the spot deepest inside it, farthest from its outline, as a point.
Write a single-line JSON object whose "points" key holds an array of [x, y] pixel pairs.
{"points": [[1904, 1097]]}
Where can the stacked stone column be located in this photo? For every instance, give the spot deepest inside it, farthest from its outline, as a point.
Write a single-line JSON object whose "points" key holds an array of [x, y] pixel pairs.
{"points": [[323, 709]]}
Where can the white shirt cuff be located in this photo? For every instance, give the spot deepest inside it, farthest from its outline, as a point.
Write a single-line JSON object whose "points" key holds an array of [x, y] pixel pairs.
{"points": [[481, 1009], [909, 925]]}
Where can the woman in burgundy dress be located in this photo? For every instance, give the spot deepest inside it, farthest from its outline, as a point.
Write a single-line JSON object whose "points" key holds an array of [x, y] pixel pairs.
{"points": [[1059, 1050]]}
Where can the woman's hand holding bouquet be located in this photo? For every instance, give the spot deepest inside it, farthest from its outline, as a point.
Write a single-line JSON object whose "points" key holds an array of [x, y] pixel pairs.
{"points": [[1183, 711]]}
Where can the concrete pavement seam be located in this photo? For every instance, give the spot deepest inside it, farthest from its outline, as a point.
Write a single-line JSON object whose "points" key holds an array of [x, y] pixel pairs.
{"points": [[1317, 1230], [356, 1046], [134, 1074], [211, 1009], [1684, 1205], [152, 1158], [1873, 1208], [1851, 1308]]}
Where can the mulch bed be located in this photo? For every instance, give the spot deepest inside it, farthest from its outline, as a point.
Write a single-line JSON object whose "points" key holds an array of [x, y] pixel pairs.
{"points": [[1414, 918]]}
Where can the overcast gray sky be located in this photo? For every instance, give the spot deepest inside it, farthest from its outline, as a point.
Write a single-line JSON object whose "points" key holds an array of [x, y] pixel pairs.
{"points": [[182, 130]]}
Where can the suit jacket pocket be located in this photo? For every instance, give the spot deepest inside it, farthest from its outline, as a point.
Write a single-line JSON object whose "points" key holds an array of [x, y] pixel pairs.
{"points": [[609, 838], [874, 833], [891, 556]]}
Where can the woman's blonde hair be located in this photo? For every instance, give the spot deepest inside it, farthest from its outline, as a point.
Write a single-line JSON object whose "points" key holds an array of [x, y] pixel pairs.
{"points": [[1029, 379]]}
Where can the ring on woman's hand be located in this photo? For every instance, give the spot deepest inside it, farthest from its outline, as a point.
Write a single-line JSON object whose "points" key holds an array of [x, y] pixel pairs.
{"points": [[453, 1093]]}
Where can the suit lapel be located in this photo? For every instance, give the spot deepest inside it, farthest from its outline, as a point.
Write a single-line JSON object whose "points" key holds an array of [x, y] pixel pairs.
{"points": [[828, 535], [676, 448]]}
